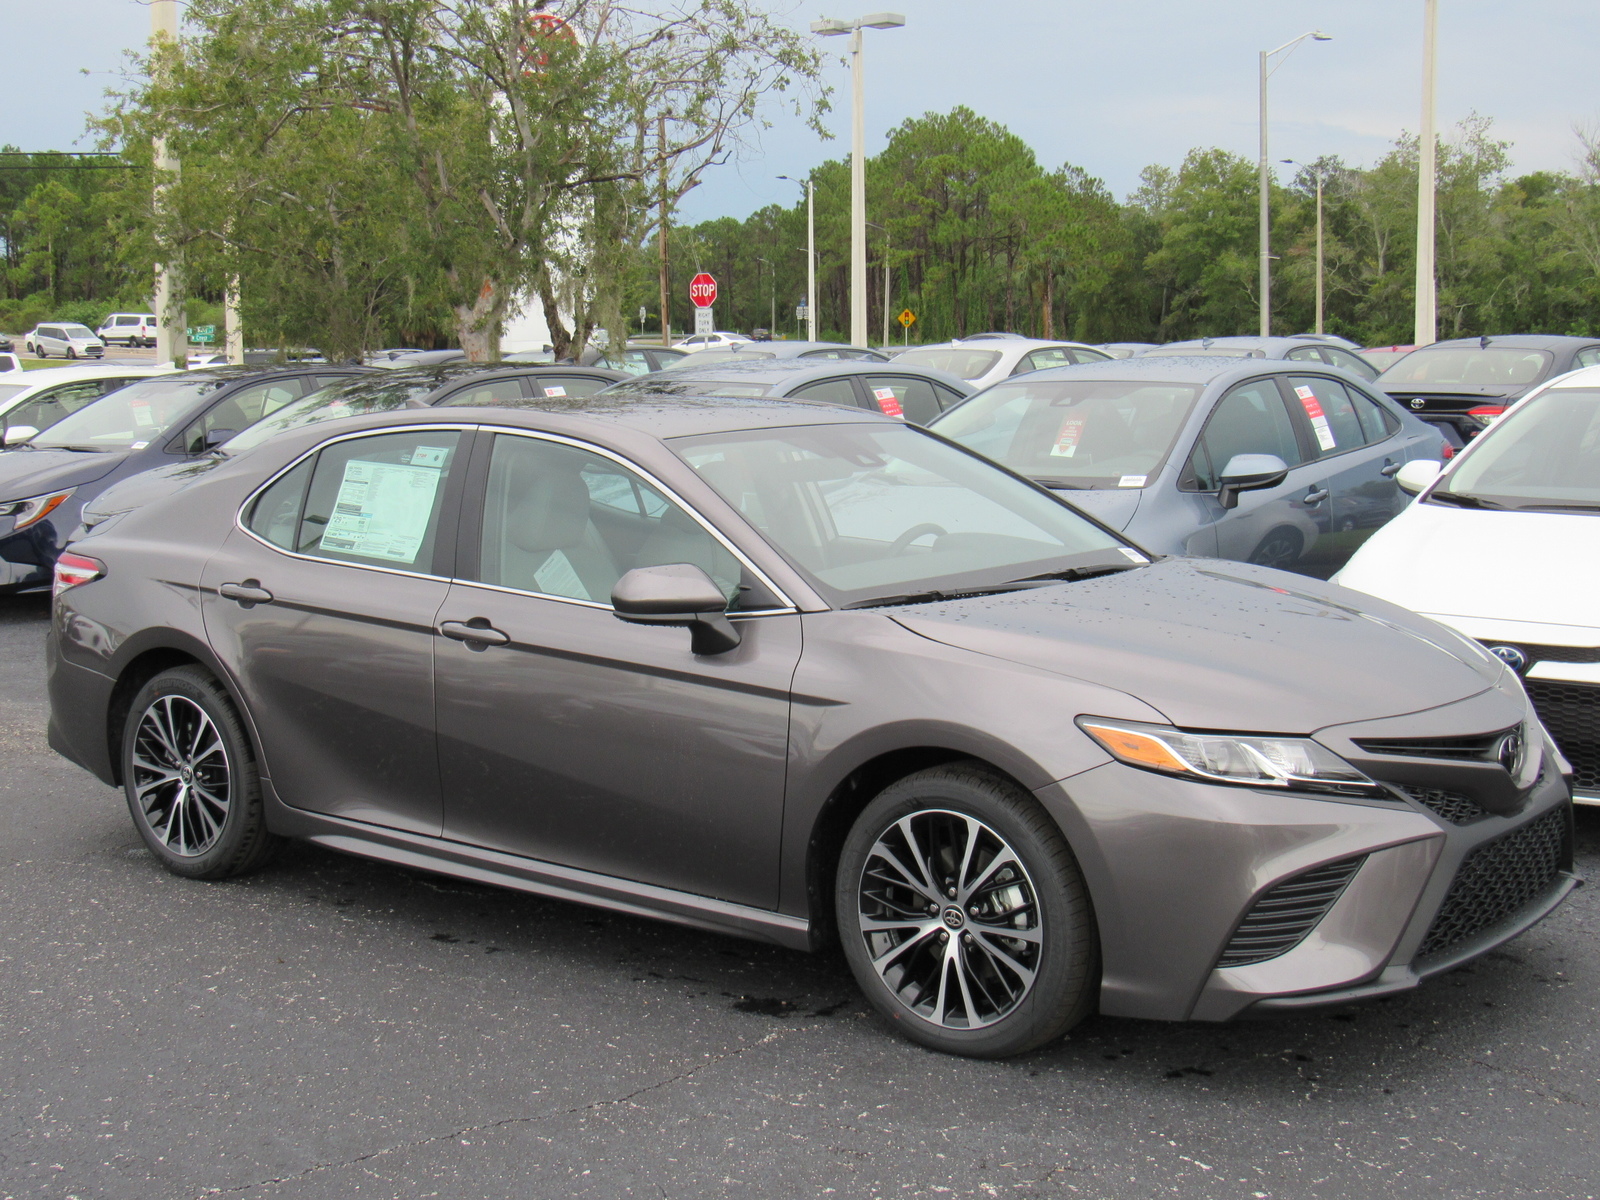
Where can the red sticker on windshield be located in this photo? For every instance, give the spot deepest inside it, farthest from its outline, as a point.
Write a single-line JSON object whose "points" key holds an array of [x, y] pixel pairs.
{"points": [[889, 403], [1069, 437]]}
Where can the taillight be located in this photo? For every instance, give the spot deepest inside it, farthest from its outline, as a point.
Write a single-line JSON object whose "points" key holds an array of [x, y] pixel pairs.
{"points": [[74, 569], [1446, 452], [1486, 411]]}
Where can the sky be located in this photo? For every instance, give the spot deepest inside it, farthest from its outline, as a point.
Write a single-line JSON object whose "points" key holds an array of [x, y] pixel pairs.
{"points": [[1107, 85]]}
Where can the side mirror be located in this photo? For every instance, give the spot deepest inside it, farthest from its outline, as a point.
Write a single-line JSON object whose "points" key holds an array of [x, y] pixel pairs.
{"points": [[677, 594], [17, 434], [216, 437], [1249, 473], [1417, 474]]}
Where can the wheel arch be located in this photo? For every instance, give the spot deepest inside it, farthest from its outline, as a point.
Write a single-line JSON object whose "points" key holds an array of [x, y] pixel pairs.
{"points": [[143, 658]]}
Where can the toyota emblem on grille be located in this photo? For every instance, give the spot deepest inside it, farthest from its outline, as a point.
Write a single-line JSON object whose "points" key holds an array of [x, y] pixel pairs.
{"points": [[1509, 753], [1419, 403], [1511, 656]]}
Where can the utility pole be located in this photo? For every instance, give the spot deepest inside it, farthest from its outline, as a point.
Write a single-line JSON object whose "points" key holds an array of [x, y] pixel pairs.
{"points": [[1426, 330], [811, 260], [172, 339], [666, 274], [1264, 185]]}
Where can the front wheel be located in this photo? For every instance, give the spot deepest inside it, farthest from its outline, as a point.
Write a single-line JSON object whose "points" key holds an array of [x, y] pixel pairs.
{"points": [[71, 353], [964, 916], [190, 778]]}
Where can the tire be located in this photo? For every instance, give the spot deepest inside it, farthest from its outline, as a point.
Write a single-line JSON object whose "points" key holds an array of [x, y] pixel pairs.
{"points": [[978, 992], [190, 779], [40, 354], [71, 353], [1280, 549]]}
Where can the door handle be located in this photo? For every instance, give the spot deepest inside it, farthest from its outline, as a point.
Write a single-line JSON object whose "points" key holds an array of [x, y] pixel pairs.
{"points": [[477, 633], [247, 593], [1390, 470], [1316, 496]]}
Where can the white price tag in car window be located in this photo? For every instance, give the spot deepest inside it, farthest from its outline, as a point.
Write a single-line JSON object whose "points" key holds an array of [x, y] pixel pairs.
{"points": [[555, 391], [1319, 419], [141, 412], [889, 402], [1069, 437]]}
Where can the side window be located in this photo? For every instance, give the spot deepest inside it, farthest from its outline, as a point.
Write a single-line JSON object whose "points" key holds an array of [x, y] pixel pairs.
{"points": [[1335, 424], [490, 391], [1040, 359], [830, 391], [1587, 357], [1251, 419], [634, 362], [1304, 354], [373, 500], [1336, 356], [1377, 422], [907, 398], [855, 355], [828, 355], [276, 512], [948, 397], [569, 385], [561, 521], [238, 412]]}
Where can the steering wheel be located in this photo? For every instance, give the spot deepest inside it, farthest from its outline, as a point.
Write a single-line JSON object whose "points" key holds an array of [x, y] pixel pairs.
{"points": [[903, 542]]}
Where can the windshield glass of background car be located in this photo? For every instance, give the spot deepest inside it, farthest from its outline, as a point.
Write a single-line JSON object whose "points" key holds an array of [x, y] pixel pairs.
{"points": [[348, 399], [77, 331], [132, 416], [1094, 433], [1490, 367], [959, 361], [867, 510], [1547, 453]]}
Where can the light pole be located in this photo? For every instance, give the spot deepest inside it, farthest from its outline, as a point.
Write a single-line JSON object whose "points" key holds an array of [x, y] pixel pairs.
{"points": [[811, 256], [1426, 329], [1265, 285], [858, 168], [1316, 174], [172, 339], [888, 245]]}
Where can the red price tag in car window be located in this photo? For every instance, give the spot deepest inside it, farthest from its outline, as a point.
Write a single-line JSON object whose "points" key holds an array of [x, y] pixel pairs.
{"points": [[1319, 419], [1069, 437], [889, 402]]}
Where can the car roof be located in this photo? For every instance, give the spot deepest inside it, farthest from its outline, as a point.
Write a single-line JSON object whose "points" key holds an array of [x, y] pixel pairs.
{"points": [[1001, 341], [1175, 368], [789, 370], [48, 376], [1268, 345], [779, 349], [1514, 341]]}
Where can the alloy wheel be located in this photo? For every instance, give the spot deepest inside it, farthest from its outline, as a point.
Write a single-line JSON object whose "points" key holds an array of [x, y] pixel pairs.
{"points": [[181, 775], [950, 918]]}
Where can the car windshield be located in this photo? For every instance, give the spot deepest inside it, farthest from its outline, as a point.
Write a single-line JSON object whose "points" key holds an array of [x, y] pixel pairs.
{"points": [[1204, 352], [77, 331], [1545, 455], [350, 398], [1384, 359], [1086, 433], [874, 512], [958, 360], [129, 418], [1474, 367]]}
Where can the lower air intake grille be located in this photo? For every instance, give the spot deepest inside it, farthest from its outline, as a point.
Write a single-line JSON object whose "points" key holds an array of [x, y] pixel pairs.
{"points": [[1449, 806], [1571, 712], [1280, 920], [1498, 880]]}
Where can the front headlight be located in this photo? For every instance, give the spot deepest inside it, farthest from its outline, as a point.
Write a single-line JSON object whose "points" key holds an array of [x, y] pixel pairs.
{"points": [[1277, 762], [33, 510]]}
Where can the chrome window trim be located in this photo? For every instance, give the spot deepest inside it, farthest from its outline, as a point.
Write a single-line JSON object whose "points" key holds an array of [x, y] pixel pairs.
{"points": [[511, 591]]}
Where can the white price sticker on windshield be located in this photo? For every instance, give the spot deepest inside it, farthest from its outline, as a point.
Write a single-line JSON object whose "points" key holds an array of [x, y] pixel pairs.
{"points": [[1132, 481]]}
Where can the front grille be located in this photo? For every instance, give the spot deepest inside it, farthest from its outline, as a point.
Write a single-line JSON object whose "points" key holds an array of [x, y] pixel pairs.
{"points": [[1477, 746], [1571, 712], [1564, 654], [1498, 880], [1280, 920], [1450, 806]]}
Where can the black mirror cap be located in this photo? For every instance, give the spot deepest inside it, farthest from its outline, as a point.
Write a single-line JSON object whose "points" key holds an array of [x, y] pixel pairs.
{"points": [[1248, 473], [677, 594]]}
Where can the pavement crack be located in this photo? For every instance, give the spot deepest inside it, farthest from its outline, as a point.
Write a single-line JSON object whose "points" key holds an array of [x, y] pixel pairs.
{"points": [[504, 1123]]}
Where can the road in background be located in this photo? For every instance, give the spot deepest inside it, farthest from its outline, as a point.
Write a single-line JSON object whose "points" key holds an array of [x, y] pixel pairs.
{"points": [[332, 1028]]}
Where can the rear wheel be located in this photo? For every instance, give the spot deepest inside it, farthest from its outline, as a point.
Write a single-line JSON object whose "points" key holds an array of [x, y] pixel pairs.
{"points": [[1280, 548], [190, 778], [964, 916]]}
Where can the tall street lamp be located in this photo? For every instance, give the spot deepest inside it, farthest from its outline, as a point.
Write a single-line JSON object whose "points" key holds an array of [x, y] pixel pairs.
{"points": [[811, 257], [1316, 173], [858, 171], [1426, 329], [172, 340], [1265, 286]]}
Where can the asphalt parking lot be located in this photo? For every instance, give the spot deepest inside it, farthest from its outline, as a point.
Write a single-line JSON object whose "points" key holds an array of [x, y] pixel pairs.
{"points": [[334, 1028]]}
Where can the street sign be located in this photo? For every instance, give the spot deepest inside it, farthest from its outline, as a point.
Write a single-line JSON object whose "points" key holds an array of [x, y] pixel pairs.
{"points": [[703, 290], [908, 318], [202, 335], [800, 311], [704, 322]]}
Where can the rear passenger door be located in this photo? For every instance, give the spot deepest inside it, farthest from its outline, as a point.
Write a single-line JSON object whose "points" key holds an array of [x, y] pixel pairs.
{"points": [[832, 391]]}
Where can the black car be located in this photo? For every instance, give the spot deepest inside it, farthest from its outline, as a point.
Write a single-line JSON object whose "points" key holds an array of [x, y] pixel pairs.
{"points": [[45, 482], [915, 394], [1462, 384]]}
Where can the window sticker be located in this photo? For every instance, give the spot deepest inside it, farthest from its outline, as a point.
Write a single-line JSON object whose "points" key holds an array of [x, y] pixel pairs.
{"points": [[555, 391], [1319, 420], [429, 456], [382, 510], [1132, 555], [1069, 437], [141, 412], [1132, 481], [556, 577], [889, 402]]}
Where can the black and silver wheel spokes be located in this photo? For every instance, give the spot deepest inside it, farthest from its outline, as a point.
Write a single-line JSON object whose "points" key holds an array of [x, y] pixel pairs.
{"points": [[950, 918], [181, 776]]}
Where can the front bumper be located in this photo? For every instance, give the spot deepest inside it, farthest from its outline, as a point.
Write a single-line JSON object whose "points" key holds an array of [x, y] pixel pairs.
{"points": [[1174, 867]]}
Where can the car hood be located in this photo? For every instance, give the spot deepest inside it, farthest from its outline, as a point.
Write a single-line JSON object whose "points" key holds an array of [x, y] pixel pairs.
{"points": [[1542, 568], [26, 473], [1115, 507], [138, 490], [1222, 645]]}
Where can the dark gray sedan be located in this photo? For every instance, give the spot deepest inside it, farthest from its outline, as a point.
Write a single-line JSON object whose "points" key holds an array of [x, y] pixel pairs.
{"points": [[1298, 347], [1278, 463], [810, 675]]}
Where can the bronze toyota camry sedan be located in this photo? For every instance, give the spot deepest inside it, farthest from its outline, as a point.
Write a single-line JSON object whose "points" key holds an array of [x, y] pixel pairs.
{"points": [[812, 675]]}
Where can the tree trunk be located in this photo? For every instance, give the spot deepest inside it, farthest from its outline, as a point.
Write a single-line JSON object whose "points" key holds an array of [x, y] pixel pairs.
{"points": [[476, 322], [1048, 325], [560, 335]]}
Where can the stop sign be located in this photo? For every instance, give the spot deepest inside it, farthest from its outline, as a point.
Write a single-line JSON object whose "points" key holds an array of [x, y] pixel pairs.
{"points": [[703, 290]]}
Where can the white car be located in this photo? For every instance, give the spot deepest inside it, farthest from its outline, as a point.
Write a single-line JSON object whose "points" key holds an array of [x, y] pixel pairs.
{"points": [[64, 339], [9, 363], [129, 329], [1504, 547], [705, 341], [987, 358], [37, 400]]}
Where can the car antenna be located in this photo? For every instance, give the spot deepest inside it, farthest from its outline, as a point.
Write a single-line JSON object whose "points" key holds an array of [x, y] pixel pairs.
{"points": [[1483, 342]]}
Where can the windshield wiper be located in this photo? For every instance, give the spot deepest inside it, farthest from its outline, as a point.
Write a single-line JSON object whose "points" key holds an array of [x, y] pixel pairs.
{"points": [[1463, 500], [1087, 571], [1562, 506], [934, 597]]}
